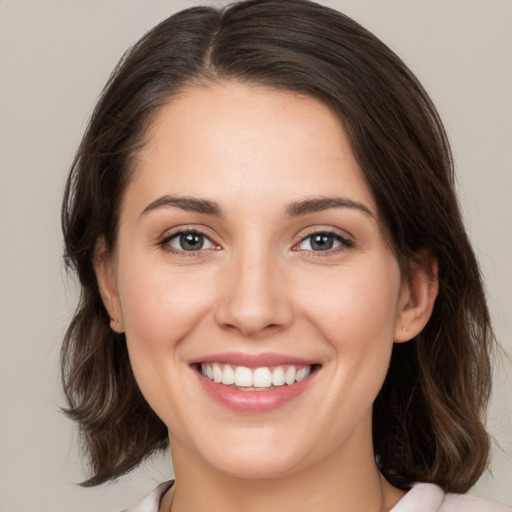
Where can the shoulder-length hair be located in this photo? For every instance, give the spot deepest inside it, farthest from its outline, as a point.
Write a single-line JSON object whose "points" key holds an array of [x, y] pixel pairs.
{"points": [[427, 422]]}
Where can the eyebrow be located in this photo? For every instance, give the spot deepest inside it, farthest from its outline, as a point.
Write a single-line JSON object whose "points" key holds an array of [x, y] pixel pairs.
{"points": [[324, 203], [190, 204], [295, 209]]}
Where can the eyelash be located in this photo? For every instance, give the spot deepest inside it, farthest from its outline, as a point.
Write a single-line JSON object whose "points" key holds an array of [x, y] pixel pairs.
{"points": [[344, 243], [165, 243]]}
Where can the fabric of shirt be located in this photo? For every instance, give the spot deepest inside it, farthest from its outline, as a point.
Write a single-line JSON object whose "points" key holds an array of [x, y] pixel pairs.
{"points": [[421, 498]]}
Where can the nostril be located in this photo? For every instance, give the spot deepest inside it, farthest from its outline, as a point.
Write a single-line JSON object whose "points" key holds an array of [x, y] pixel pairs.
{"points": [[251, 329]]}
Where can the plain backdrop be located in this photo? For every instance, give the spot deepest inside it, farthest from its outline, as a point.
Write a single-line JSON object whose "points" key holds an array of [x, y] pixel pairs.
{"points": [[55, 56]]}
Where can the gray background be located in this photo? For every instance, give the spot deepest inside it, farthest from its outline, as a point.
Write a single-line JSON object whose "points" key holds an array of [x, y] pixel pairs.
{"points": [[55, 56]]}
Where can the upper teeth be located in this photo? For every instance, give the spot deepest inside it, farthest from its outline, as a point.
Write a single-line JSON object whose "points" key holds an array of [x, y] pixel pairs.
{"points": [[263, 377]]}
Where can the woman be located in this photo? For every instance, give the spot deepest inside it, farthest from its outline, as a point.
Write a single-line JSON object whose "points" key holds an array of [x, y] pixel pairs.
{"points": [[276, 280]]}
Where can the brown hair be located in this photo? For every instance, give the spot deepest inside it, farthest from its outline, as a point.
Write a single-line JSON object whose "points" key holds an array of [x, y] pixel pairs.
{"points": [[428, 415]]}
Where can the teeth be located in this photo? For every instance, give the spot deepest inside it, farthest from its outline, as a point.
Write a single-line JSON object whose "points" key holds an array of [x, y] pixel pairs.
{"points": [[263, 377], [217, 373], [289, 376], [228, 375], [243, 376], [278, 378], [303, 373]]}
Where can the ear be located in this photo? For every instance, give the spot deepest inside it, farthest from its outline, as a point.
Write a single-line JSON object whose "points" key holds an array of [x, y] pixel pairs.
{"points": [[417, 296], [104, 267]]}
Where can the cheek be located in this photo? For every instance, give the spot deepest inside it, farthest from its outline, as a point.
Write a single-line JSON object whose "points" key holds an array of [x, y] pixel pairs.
{"points": [[354, 307], [355, 312], [160, 305], [160, 308], [358, 326]]}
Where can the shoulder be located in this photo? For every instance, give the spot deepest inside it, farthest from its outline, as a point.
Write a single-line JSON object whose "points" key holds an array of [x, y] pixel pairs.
{"points": [[431, 498], [152, 502]]}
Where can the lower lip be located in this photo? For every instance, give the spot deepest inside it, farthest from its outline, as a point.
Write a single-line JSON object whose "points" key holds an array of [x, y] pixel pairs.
{"points": [[254, 401]]}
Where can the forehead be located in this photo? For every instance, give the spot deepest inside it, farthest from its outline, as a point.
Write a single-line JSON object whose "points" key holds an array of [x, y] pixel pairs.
{"points": [[244, 142]]}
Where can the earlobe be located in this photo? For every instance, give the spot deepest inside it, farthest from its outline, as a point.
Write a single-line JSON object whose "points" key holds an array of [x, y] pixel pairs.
{"points": [[104, 267], [418, 296]]}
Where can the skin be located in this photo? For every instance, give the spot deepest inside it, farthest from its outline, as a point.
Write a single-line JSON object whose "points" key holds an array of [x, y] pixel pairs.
{"points": [[258, 286]]}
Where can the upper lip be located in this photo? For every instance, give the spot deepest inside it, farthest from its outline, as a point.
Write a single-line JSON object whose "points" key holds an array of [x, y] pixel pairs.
{"points": [[253, 360]]}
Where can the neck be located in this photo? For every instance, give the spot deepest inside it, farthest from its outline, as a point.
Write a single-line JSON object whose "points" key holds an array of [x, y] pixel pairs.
{"points": [[338, 483]]}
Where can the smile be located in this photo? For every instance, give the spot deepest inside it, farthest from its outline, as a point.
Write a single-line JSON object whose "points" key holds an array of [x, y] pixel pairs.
{"points": [[255, 379], [252, 384]]}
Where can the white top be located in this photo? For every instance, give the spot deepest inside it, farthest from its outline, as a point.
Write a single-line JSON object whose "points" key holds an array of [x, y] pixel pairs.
{"points": [[421, 498], [431, 498]]}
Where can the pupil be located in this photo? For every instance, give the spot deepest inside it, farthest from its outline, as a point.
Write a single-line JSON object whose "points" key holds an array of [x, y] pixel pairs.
{"points": [[322, 242], [191, 241]]}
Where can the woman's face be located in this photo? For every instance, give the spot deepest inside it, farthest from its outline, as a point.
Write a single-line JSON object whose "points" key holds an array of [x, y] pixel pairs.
{"points": [[250, 249]]}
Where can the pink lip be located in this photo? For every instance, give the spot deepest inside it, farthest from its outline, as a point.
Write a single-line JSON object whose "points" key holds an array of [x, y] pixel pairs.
{"points": [[253, 361], [253, 401]]}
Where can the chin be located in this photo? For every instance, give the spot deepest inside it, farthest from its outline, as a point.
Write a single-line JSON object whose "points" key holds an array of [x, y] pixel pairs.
{"points": [[258, 454], [256, 467]]}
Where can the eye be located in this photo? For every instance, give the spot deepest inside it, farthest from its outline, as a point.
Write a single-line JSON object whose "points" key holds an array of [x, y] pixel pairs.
{"points": [[323, 241], [189, 241]]}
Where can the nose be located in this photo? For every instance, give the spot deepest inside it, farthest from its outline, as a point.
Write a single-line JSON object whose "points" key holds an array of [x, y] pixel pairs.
{"points": [[255, 299]]}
